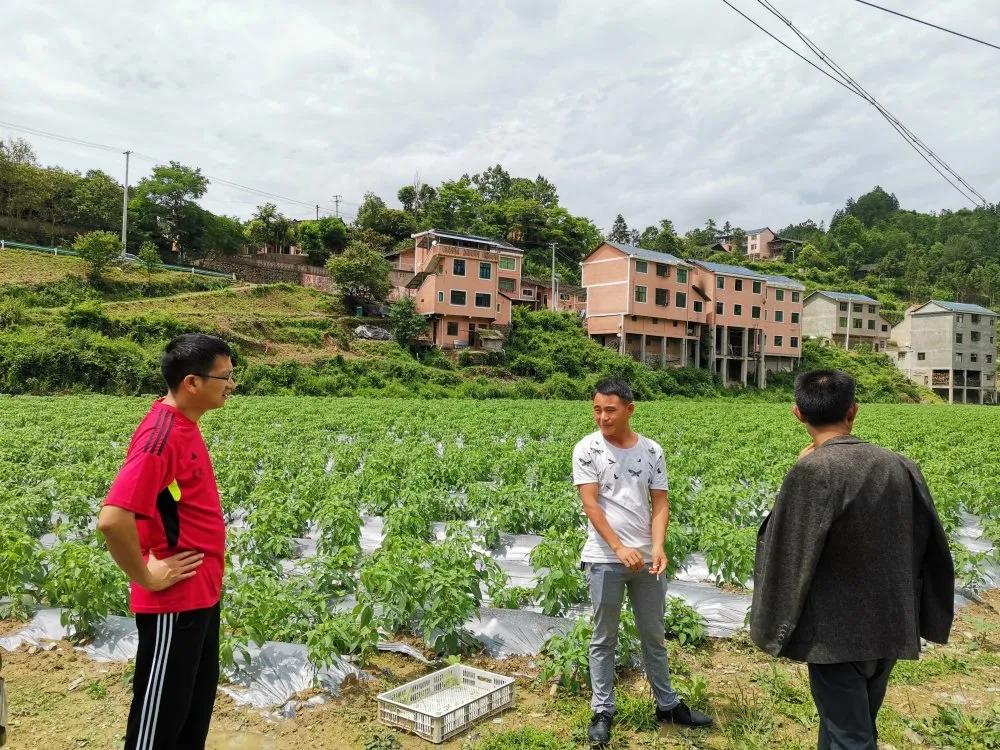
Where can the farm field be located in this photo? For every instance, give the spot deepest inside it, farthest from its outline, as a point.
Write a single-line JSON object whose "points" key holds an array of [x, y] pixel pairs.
{"points": [[311, 473]]}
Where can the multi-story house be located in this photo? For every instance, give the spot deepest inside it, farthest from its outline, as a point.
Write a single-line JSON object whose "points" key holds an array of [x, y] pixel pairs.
{"points": [[950, 347], [642, 303], [462, 284], [754, 321], [848, 320], [762, 244], [539, 291]]}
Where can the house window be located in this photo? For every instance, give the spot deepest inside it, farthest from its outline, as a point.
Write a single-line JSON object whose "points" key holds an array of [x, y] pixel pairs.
{"points": [[738, 284], [975, 320], [720, 282], [682, 276], [958, 356], [843, 322], [498, 307], [508, 263], [795, 296], [958, 338], [440, 296], [485, 271], [755, 312], [857, 323], [779, 295], [720, 309], [973, 357], [843, 307], [458, 267], [794, 342], [885, 328], [756, 287], [737, 309], [974, 336], [795, 318], [778, 340], [640, 294], [484, 299], [681, 300], [457, 297], [921, 356], [697, 305], [871, 325], [641, 266], [989, 359], [452, 328], [663, 270], [527, 292], [662, 297], [779, 316], [507, 285], [856, 307], [959, 318]]}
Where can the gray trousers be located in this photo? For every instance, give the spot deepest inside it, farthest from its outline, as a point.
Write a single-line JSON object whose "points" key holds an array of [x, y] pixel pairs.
{"points": [[848, 697], [646, 595]]}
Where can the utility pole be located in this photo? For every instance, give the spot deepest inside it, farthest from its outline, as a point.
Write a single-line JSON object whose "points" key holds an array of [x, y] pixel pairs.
{"points": [[317, 212], [553, 288], [336, 202], [125, 206]]}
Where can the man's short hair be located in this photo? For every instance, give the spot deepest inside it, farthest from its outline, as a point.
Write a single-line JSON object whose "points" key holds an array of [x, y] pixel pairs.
{"points": [[191, 354], [824, 396], [614, 387]]}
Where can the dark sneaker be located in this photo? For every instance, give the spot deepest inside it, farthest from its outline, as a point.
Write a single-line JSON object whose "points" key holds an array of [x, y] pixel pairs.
{"points": [[681, 714], [600, 729]]}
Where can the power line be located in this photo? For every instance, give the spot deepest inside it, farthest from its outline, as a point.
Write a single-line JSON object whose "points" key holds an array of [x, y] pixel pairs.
{"points": [[846, 81], [928, 23], [151, 159], [919, 146]]}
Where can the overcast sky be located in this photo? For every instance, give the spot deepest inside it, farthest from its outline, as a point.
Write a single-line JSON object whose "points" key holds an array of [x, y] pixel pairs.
{"points": [[665, 109]]}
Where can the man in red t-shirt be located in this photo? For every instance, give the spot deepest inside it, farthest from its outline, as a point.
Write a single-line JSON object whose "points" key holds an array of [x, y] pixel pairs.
{"points": [[162, 520]]}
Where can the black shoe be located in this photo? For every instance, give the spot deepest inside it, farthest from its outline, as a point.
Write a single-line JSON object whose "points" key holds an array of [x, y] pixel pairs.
{"points": [[599, 733], [681, 714]]}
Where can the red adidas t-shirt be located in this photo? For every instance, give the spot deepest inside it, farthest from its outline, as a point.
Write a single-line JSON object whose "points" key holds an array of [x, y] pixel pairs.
{"points": [[169, 483]]}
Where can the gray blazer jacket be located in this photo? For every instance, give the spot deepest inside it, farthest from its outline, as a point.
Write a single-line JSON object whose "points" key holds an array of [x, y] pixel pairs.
{"points": [[852, 563]]}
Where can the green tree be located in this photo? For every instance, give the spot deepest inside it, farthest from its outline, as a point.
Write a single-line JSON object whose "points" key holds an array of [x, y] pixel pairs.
{"points": [[100, 249], [150, 258], [222, 236], [360, 274], [621, 233], [165, 210], [407, 324], [321, 239], [97, 201]]}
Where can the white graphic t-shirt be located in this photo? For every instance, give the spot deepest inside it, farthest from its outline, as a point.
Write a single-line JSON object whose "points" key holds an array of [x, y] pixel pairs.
{"points": [[624, 478]]}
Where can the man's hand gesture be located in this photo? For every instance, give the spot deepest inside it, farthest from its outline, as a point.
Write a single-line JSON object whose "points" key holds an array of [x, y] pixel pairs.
{"points": [[659, 562], [630, 558], [162, 574]]}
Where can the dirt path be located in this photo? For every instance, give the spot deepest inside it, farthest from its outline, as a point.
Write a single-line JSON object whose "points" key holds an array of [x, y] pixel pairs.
{"points": [[61, 699]]}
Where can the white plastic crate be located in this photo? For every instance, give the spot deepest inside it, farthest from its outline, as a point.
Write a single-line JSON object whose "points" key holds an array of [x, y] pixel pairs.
{"points": [[446, 702]]}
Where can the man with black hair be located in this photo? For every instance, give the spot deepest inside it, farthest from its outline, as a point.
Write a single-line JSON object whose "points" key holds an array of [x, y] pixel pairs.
{"points": [[853, 565], [620, 474], [162, 519]]}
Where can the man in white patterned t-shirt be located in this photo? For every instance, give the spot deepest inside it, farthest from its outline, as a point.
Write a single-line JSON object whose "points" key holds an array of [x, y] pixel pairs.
{"points": [[622, 480]]}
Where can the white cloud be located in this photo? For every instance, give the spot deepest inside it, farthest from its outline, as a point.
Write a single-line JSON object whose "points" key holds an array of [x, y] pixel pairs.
{"points": [[675, 109]]}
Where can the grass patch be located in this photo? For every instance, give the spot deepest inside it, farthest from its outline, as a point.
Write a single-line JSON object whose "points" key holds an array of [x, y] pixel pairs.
{"points": [[521, 739], [918, 672], [951, 728]]}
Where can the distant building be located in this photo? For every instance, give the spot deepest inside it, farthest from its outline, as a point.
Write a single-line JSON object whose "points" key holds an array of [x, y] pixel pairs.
{"points": [[762, 244], [848, 320]]}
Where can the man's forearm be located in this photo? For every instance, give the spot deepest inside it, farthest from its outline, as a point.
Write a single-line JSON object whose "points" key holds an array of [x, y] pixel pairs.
{"points": [[602, 527], [661, 518], [123, 544]]}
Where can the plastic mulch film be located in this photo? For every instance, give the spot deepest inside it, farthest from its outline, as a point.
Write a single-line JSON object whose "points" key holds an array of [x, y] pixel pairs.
{"points": [[277, 671], [515, 632], [44, 630]]}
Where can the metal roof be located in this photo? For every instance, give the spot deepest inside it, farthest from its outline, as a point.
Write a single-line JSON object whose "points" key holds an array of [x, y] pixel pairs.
{"points": [[784, 281], [729, 270], [651, 255], [961, 307], [503, 244], [846, 297]]}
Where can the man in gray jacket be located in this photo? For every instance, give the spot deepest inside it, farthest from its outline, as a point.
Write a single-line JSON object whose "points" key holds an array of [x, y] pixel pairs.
{"points": [[852, 567]]}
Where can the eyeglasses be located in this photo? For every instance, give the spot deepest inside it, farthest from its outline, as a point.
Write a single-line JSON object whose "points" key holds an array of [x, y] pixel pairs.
{"points": [[230, 377]]}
